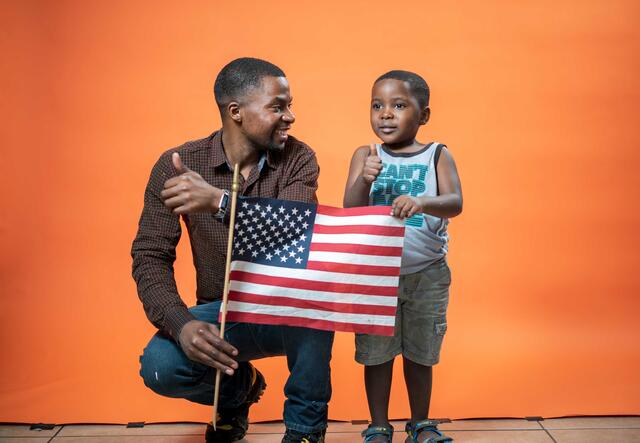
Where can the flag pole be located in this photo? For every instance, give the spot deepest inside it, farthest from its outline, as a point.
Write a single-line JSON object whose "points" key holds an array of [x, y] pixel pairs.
{"points": [[225, 294]]}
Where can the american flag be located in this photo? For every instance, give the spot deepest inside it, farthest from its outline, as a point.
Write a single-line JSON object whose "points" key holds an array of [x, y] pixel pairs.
{"points": [[302, 264]]}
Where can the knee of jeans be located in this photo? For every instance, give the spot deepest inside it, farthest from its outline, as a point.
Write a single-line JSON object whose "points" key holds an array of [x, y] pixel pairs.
{"points": [[159, 372]]}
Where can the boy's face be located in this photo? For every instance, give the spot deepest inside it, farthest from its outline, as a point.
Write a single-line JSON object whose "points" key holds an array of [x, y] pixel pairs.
{"points": [[395, 112], [266, 113]]}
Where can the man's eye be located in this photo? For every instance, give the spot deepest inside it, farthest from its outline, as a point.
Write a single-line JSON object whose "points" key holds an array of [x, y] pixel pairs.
{"points": [[277, 108]]}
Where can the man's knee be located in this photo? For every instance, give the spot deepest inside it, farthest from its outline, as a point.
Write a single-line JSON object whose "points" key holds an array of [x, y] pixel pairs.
{"points": [[164, 368]]}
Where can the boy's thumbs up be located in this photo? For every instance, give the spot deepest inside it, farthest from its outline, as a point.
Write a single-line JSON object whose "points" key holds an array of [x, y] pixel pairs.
{"points": [[177, 163], [372, 150]]}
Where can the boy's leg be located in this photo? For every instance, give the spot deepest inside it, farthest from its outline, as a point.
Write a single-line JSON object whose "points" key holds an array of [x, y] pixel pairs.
{"points": [[377, 381], [418, 379]]}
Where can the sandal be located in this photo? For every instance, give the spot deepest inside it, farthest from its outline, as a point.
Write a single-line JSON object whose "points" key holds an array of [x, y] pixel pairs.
{"points": [[425, 425], [376, 431]]}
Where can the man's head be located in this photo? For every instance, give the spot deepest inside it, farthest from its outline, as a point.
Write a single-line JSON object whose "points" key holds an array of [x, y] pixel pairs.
{"points": [[399, 106], [253, 97]]}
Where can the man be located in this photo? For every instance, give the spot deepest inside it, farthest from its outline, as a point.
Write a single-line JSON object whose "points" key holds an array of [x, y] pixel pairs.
{"points": [[193, 181]]}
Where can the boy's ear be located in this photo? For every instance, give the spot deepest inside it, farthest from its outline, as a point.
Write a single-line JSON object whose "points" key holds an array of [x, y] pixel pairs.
{"points": [[424, 115], [233, 110]]}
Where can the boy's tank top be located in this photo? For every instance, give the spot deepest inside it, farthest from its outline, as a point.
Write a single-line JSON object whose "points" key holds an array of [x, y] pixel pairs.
{"points": [[413, 173]]}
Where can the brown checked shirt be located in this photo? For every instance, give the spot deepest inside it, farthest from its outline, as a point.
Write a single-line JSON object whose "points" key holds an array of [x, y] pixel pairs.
{"points": [[291, 174]]}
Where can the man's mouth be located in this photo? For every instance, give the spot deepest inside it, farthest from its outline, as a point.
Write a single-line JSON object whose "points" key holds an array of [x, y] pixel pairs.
{"points": [[282, 133]]}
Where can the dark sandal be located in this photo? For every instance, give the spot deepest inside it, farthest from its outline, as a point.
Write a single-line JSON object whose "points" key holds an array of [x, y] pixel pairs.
{"points": [[376, 431], [425, 425]]}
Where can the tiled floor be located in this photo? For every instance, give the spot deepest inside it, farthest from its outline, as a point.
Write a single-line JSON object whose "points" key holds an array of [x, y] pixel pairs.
{"points": [[559, 430]]}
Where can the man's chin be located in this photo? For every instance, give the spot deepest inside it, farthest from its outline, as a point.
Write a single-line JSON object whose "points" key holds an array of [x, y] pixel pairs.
{"points": [[273, 146]]}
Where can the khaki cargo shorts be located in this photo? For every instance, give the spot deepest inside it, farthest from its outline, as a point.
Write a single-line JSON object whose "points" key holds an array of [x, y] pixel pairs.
{"points": [[421, 320]]}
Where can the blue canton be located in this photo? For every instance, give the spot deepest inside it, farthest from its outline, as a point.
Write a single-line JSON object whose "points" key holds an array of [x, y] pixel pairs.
{"points": [[273, 232]]}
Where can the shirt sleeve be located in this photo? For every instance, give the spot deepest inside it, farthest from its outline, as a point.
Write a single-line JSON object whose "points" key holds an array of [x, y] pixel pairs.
{"points": [[154, 252], [301, 177]]}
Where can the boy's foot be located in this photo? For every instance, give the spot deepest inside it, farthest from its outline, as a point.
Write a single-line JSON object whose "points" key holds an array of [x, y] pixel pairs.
{"points": [[425, 431], [232, 423], [378, 434], [298, 437]]}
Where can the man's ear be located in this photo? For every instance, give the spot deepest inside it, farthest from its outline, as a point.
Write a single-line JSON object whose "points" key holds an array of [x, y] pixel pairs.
{"points": [[233, 110], [424, 115]]}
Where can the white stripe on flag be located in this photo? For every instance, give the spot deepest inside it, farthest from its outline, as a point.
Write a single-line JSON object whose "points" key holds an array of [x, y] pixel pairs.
{"points": [[358, 239], [335, 297], [357, 220], [356, 259], [313, 276], [312, 314]]}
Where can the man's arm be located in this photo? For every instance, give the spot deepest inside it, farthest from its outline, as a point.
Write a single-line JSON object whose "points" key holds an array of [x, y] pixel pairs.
{"points": [[301, 178], [154, 251]]}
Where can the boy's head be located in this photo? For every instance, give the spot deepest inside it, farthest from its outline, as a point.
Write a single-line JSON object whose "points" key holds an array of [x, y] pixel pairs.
{"points": [[254, 101], [399, 106]]}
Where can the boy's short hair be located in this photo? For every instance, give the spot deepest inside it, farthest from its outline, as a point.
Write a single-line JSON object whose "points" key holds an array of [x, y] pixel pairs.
{"points": [[241, 75], [417, 85]]}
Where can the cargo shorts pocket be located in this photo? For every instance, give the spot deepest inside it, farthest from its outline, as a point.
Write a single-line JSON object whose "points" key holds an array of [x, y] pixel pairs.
{"points": [[440, 329]]}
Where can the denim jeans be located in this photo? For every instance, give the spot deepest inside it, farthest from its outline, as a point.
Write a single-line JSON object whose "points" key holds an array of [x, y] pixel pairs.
{"points": [[167, 371]]}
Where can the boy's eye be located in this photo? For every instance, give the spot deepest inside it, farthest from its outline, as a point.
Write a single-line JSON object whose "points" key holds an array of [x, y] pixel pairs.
{"points": [[376, 106], [400, 105]]}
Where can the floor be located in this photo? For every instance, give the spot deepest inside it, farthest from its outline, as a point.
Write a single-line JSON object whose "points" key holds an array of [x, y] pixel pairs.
{"points": [[560, 430]]}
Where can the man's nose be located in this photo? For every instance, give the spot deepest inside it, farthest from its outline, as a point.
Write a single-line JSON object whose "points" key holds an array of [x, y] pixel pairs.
{"points": [[289, 116]]}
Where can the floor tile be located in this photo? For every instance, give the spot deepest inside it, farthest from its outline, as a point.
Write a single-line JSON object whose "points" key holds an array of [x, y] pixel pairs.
{"points": [[24, 431], [596, 435], [150, 429], [591, 422], [130, 439], [520, 436], [489, 424]]}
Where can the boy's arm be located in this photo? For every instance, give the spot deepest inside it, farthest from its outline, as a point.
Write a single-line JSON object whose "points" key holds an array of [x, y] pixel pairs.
{"points": [[365, 167], [447, 204]]}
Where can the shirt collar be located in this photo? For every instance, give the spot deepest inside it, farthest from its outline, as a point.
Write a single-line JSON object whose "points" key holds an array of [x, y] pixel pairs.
{"points": [[218, 158]]}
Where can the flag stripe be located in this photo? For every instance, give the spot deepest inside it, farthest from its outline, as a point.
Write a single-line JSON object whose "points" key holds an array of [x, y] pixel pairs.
{"points": [[390, 291], [388, 251], [371, 220], [313, 276], [344, 257], [394, 231], [362, 319], [308, 323], [340, 297], [351, 269], [359, 239], [349, 212], [343, 308]]}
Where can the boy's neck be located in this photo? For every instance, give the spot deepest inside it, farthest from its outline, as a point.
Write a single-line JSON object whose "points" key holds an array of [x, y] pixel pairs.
{"points": [[408, 146]]}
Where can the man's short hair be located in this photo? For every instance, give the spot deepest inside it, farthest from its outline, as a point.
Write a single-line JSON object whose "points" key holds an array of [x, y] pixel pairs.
{"points": [[417, 85], [241, 75]]}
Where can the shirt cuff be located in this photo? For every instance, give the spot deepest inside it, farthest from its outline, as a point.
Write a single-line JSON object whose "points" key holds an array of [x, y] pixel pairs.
{"points": [[175, 319]]}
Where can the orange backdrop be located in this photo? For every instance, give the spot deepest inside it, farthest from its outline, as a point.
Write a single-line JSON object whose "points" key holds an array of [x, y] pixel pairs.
{"points": [[536, 99]]}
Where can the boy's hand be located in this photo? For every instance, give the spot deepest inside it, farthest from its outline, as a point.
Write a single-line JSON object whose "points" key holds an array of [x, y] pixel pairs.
{"points": [[189, 193], [372, 165], [405, 206]]}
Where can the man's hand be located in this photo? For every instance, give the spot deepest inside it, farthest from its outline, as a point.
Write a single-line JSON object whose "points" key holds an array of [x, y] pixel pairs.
{"points": [[372, 165], [189, 193], [201, 342], [405, 206]]}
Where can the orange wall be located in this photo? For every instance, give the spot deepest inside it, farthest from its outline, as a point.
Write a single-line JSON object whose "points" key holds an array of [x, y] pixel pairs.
{"points": [[536, 99]]}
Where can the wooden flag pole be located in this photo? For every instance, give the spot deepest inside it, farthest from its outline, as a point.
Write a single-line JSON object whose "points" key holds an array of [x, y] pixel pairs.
{"points": [[225, 294]]}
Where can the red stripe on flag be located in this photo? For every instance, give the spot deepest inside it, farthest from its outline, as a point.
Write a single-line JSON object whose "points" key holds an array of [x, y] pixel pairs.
{"points": [[326, 325], [343, 308], [345, 268], [350, 212], [387, 251], [298, 283], [391, 231]]}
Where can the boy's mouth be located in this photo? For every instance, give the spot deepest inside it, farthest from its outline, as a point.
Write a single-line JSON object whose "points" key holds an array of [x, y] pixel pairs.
{"points": [[387, 129]]}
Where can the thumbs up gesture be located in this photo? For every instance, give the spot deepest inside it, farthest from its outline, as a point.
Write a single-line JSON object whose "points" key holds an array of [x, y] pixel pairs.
{"points": [[189, 193], [372, 165]]}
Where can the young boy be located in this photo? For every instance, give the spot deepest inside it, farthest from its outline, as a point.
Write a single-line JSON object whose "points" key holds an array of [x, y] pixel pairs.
{"points": [[421, 183]]}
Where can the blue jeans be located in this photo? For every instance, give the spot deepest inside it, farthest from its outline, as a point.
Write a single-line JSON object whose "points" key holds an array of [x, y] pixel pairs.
{"points": [[167, 371]]}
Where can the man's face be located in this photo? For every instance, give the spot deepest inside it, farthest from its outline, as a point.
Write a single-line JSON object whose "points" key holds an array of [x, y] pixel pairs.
{"points": [[266, 113], [395, 112]]}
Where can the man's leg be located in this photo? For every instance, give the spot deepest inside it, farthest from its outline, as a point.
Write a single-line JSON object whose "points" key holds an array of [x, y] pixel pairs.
{"points": [[308, 388], [167, 371]]}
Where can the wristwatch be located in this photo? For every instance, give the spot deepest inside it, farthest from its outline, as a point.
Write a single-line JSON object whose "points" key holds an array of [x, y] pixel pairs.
{"points": [[223, 205]]}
